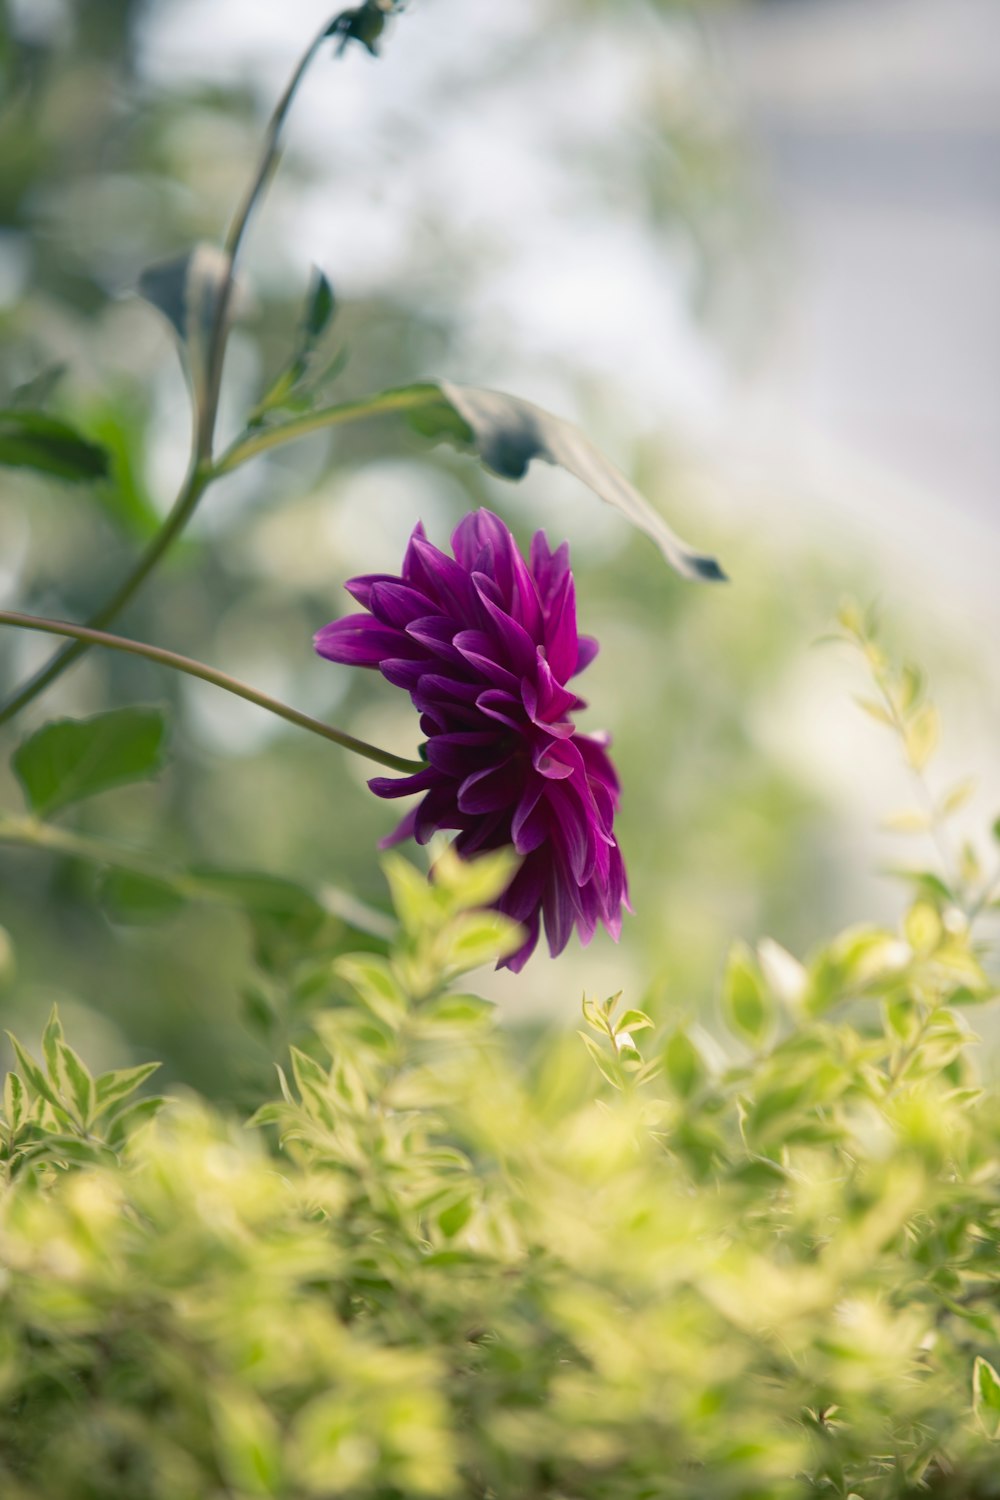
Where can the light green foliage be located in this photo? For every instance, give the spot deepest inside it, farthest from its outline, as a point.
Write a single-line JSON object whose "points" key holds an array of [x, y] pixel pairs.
{"points": [[765, 1268]]}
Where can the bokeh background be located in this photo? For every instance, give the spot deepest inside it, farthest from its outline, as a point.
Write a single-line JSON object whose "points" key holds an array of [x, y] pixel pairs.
{"points": [[751, 248]]}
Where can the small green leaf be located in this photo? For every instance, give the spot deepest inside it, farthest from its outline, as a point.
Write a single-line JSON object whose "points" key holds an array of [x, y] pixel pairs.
{"points": [[683, 1065], [52, 1036], [112, 1088], [33, 1075], [922, 735], [374, 983], [633, 1020], [15, 1103], [986, 1396], [75, 1083], [875, 710], [479, 938], [32, 440], [605, 1064], [134, 900], [745, 1002], [71, 759], [959, 795], [458, 1010], [129, 1120]]}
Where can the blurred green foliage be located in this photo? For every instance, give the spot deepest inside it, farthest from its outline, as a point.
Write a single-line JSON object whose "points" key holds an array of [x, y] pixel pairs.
{"points": [[765, 1269]]}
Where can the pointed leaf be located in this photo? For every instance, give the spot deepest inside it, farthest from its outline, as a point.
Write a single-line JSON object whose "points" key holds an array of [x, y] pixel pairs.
{"points": [[48, 445], [507, 433], [75, 758], [112, 1088], [187, 291]]}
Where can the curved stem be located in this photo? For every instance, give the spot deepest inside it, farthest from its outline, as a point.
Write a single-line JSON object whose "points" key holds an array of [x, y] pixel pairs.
{"points": [[190, 493], [233, 243], [200, 474], [204, 673], [405, 398]]}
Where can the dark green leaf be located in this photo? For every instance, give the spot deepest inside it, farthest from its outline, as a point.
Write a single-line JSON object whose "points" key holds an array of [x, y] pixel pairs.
{"points": [[508, 433], [32, 440], [75, 758]]}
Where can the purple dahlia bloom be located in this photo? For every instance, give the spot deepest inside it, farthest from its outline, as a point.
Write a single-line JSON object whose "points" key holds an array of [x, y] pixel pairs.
{"points": [[485, 643]]}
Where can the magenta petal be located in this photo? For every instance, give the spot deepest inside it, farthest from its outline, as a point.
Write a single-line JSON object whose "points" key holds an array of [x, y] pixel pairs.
{"points": [[358, 641], [484, 643]]}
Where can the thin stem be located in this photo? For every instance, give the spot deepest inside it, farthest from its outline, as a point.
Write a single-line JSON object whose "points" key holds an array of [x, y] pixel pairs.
{"points": [[218, 679], [200, 473], [234, 240], [405, 398], [32, 833], [191, 492]]}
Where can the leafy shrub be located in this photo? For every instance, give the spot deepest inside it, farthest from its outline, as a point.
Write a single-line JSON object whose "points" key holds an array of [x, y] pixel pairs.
{"points": [[761, 1266]]}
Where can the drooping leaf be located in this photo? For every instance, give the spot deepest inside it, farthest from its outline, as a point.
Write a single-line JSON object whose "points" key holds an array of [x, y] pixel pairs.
{"points": [[71, 759], [507, 433], [186, 290], [34, 440]]}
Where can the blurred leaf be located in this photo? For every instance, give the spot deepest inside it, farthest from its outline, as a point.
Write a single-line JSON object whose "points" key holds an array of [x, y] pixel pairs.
{"points": [[35, 393], [683, 1065], [909, 820], [986, 1396], [71, 759], [958, 796], [309, 366], [186, 290], [112, 1088], [134, 900], [745, 1003], [479, 938], [507, 433], [605, 1064], [32, 440], [922, 735]]}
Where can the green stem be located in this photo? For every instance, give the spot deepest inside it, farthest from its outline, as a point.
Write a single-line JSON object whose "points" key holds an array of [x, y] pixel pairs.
{"points": [[218, 679], [405, 398], [234, 239], [200, 474], [32, 833], [191, 492]]}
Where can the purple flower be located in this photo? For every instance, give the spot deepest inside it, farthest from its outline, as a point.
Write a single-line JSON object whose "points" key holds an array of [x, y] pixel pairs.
{"points": [[485, 644]]}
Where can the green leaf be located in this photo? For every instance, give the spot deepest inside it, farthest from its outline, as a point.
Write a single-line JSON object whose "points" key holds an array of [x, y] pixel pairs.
{"points": [[986, 1396], [129, 1120], [308, 365], [606, 1065], [479, 938], [134, 900], [508, 433], [187, 291], [458, 1011], [683, 1065], [745, 1002], [33, 1074], [52, 1036], [76, 1084], [112, 1088], [633, 1020], [48, 445], [15, 1103], [71, 759], [374, 983], [922, 735]]}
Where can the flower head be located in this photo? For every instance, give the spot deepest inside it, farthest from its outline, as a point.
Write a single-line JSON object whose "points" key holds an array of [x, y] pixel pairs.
{"points": [[485, 643]]}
